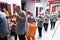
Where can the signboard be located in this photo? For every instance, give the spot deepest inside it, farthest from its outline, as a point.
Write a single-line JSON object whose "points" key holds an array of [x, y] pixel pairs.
{"points": [[50, 0], [57, 0], [35, 0], [32, 0]]}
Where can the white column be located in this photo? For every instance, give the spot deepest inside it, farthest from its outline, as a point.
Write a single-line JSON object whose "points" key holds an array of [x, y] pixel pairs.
{"points": [[11, 9]]}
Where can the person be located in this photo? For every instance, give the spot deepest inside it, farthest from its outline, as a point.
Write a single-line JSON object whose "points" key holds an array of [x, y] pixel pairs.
{"points": [[13, 26], [31, 26], [4, 27], [40, 24], [53, 20], [46, 21], [58, 14], [6, 12], [21, 20]]}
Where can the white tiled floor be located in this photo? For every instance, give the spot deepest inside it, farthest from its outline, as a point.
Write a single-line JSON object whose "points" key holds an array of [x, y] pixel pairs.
{"points": [[48, 35]]}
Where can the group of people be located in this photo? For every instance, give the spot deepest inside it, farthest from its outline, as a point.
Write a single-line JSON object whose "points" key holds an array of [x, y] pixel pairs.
{"points": [[20, 23], [43, 21], [23, 24]]}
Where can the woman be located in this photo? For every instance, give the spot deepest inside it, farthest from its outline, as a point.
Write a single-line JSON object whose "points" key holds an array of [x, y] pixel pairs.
{"points": [[31, 27]]}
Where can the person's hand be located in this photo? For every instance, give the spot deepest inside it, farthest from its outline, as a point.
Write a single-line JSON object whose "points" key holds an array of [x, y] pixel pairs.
{"points": [[16, 14], [8, 35], [36, 18], [10, 24]]}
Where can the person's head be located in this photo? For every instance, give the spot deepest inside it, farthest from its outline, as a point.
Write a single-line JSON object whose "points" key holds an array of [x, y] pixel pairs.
{"points": [[58, 11], [17, 9], [29, 14], [46, 12], [43, 14], [14, 12], [4, 9], [40, 14], [26, 10]]}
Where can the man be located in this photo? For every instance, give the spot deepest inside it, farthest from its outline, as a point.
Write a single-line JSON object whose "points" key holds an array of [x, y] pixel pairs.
{"points": [[21, 28], [4, 28], [40, 24], [53, 20], [46, 21]]}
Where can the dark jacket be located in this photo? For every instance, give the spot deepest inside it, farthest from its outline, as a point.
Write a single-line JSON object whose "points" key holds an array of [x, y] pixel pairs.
{"points": [[40, 23], [4, 28], [21, 28]]}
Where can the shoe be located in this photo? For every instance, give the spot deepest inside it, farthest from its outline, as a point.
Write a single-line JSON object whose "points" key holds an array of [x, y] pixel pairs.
{"points": [[45, 30], [40, 36]]}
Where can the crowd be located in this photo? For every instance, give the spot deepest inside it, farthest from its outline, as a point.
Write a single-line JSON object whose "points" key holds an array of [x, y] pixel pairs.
{"points": [[23, 24]]}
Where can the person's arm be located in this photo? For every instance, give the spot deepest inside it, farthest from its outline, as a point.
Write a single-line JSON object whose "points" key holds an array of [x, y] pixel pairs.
{"points": [[40, 19], [6, 26], [7, 13], [22, 16], [10, 25], [34, 20], [18, 16]]}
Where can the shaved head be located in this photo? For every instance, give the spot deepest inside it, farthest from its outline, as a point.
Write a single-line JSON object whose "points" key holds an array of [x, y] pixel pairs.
{"points": [[17, 9]]}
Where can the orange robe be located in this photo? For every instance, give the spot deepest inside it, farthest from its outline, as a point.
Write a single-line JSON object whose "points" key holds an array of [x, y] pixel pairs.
{"points": [[6, 12], [32, 30]]}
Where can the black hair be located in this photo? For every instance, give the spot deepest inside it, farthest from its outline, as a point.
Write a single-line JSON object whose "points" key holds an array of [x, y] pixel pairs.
{"points": [[29, 13]]}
